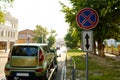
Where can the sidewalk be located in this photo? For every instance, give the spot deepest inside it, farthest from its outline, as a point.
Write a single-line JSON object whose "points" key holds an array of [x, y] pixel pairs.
{"points": [[113, 56], [3, 54], [3, 59], [117, 58]]}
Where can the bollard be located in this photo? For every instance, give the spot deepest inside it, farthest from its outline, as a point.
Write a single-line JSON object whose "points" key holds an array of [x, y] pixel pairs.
{"points": [[73, 74], [74, 69]]}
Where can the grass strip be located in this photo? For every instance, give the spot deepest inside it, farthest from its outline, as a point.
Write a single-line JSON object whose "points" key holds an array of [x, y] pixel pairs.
{"points": [[99, 68]]}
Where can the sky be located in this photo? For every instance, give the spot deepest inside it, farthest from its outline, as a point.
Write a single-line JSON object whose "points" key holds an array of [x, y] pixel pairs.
{"points": [[40, 12]]}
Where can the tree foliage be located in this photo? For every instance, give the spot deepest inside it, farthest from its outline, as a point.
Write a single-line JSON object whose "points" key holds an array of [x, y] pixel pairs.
{"points": [[51, 39], [3, 6], [109, 19], [2, 15], [40, 34], [43, 36]]}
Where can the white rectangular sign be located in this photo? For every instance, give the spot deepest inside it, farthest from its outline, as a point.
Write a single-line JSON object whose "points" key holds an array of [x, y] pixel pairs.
{"points": [[87, 41]]}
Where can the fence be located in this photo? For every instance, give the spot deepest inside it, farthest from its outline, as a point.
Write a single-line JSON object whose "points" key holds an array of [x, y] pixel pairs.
{"points": [[113, 50], [71, 69], [74, 70]]}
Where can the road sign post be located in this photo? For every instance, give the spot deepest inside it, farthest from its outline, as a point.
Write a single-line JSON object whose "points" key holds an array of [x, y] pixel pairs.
{"points": [[87, 41], [87, 19]]}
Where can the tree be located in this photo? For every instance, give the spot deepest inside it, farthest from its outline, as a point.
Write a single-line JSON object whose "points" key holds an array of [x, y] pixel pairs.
{"points": [[109, 19], [40, 34], [2, 15], [3, 6], [71, 39], [51, 39]]}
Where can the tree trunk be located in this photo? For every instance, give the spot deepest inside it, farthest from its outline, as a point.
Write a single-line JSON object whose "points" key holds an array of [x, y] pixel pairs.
{"points": [[101, 49]]}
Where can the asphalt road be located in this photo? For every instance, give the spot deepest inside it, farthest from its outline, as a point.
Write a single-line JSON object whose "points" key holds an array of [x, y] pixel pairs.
{"points": [[60, 75]]}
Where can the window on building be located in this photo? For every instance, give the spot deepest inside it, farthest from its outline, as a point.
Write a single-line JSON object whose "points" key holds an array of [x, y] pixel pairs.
{"points": [[22, 36], [7, 23], [11, 34], [13, 25], [2, 33], [8, 33]]}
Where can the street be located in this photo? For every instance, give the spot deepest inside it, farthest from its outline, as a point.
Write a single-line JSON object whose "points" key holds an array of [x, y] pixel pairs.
{"points": [[60, 74]]}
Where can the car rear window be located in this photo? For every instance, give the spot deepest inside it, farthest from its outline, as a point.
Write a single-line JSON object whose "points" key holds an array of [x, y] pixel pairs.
{"points": [[24, 51]]}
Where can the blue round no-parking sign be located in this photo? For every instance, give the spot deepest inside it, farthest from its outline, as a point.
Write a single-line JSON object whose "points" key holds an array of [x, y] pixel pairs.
{"points": [[87, 18]]}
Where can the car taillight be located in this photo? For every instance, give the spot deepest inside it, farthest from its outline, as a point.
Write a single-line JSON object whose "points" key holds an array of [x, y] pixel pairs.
{"points": [[39, 70], [41, 57], [6, 69]]}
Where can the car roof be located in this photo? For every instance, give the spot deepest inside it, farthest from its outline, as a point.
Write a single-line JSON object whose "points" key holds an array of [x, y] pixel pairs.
{"points": [[31, 44]]}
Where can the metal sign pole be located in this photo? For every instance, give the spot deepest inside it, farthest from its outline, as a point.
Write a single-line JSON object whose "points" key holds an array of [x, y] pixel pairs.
{"points": [[87, 19], [87, 66]]}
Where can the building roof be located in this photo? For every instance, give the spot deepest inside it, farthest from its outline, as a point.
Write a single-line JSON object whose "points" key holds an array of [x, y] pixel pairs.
{"points": [[28, 31]]}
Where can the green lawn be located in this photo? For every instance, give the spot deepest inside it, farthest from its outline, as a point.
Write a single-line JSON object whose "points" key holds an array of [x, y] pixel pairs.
{"points": [[99, 68]]}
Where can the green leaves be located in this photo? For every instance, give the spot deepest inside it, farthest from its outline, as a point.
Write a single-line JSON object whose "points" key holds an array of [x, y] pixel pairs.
{"points": [[109, 18], [40, 34], [2, 15], [51, 39], [3, 6]]}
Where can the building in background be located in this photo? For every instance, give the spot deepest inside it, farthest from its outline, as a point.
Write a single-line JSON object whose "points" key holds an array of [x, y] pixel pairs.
{"points": [[25, 36], [8, 32]]}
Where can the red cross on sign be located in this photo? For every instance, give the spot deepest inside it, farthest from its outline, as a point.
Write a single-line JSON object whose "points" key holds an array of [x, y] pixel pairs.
{"points": [[87, 18]]}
